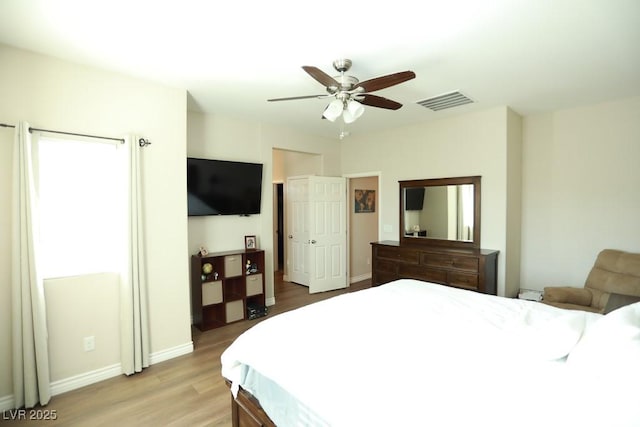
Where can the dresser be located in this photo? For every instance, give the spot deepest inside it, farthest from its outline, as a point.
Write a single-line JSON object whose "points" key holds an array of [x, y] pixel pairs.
{"points": [[473, 269]]}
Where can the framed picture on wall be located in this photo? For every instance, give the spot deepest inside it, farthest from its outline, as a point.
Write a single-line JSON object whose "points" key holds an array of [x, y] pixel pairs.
{"points": [[250, 243], [364, 201]]}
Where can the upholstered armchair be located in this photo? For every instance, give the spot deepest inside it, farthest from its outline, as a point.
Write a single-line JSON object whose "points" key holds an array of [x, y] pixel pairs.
{"points": [[613, 281]]}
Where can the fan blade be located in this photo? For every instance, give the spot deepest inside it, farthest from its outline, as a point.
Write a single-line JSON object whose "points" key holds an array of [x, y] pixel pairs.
{"points": [[322, 77], [378, 101], [298, 97], [378, 83]]}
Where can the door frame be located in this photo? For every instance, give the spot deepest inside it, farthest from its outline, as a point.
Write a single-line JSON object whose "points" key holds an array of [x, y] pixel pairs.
{"points": [[278, 226], [379, 202]]}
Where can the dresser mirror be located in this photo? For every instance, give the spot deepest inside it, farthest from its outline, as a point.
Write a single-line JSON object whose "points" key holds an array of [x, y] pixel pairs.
{"points": [[441, 212]]}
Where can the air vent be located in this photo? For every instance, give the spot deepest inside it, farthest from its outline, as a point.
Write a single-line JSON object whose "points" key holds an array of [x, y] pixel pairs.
{"points": [[444, 101]]}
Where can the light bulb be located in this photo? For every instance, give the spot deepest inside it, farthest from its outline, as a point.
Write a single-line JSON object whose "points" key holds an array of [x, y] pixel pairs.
{"points": [[353, 111], [333, 110]]}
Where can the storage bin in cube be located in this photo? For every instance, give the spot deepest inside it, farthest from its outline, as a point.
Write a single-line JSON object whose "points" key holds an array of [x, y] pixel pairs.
{"points": [[235, 311], [232, 266], [211, 293], [254, 284]]}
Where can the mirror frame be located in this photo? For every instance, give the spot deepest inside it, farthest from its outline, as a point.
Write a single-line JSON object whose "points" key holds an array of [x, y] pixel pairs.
{"points": [[410, 240]]}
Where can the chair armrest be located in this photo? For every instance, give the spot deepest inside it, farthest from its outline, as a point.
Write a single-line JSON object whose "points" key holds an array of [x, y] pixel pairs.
{"points": [[566, 294]]}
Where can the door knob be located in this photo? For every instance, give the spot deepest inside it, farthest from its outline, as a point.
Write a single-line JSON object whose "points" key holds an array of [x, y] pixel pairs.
{"points": [[290, 236], [312, 241]]}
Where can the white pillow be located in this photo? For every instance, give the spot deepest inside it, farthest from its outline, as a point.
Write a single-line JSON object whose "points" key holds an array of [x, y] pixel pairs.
{"points": [[611, 345]]}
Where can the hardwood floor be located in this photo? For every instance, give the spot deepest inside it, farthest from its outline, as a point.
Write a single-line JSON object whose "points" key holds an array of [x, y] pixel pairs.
{"points": [[185, 391]]}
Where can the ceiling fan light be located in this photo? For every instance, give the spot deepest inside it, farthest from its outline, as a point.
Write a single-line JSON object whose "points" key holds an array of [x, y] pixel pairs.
{"points": [[352, 112], [333, 110]]}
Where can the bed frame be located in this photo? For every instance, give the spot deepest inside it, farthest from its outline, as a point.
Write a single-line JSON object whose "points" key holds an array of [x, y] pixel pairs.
{"points": [[247, 412]]}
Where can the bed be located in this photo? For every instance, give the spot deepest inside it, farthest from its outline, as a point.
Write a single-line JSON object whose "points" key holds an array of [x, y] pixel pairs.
{"points": [[417, 353]]}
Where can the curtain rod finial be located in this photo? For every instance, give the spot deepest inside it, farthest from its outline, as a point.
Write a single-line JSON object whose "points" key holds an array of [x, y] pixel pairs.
{"points": [[143, 142]]}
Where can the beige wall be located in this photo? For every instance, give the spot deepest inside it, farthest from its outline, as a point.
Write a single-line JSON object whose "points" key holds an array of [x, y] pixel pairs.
{"points": [[92, 298], [580, 190], [296, 164], [512, 253], [54, 94], [469, 144], [218, 137], [363, 229], [556, 188]]}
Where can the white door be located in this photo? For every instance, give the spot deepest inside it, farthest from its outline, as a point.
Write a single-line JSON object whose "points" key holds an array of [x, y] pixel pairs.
{"points": [[298, 230], [327, 233]]}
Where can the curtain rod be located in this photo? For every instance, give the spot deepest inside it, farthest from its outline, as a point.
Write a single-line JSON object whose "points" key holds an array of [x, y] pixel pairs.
{"points": [[141, 142]]}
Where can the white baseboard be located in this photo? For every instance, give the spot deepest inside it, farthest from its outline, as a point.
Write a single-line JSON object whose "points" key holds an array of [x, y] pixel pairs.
{"points": [[360, 278], [85, 379], [6, 403], [91, 377], [170, 353], [71, 383], [354, 279]]}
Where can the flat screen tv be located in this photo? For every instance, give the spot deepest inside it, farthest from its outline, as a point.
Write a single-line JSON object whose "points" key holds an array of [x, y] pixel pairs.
{"points": [[220, 187], [414, 199]]}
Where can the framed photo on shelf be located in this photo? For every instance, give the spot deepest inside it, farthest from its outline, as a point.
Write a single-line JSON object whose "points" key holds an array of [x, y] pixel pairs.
{"points": [[250, 243]]}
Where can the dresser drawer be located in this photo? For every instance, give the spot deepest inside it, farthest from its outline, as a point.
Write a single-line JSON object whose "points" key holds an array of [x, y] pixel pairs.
{"points": [[422, 273], [397, 254], [384, 266], [450, 261], [462, 280], [381, 277]]}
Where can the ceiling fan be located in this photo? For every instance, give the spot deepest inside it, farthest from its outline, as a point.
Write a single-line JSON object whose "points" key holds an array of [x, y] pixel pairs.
{"points": [[349, 93]]}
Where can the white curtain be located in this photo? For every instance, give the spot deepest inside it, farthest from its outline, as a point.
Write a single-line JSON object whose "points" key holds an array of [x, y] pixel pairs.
{"points": [[31, 377], [134, 323]]}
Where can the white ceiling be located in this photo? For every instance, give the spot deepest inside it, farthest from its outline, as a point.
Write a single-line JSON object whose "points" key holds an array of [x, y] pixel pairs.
{"points": [[231, 56]]}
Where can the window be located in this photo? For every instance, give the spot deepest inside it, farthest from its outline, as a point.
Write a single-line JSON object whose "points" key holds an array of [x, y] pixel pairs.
{"points": [[82, 206]]}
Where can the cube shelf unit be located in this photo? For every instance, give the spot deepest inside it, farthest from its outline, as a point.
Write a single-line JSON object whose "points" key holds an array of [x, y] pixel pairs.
{"points": [[221, 296]]}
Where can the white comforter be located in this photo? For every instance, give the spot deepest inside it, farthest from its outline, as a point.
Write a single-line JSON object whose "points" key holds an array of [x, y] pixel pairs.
{"points": [[415, 353]]}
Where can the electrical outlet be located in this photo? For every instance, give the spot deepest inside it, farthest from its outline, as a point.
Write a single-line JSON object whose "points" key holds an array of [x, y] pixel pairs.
{"points": [[89, 343], [368, 260]]}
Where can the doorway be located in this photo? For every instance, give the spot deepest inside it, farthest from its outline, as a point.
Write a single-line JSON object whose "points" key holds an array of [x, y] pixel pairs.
{"points": [[363, 227], [279, 192], [279, 241], [316, 232], [286, 163], [360, 227], [363, 196]]}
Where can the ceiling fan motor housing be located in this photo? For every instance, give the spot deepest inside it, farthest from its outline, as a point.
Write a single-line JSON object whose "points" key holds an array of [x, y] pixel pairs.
{"points": [[346, 84], [342, 65]]}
